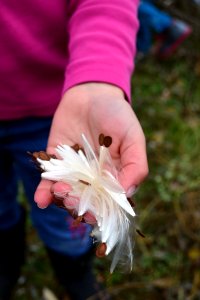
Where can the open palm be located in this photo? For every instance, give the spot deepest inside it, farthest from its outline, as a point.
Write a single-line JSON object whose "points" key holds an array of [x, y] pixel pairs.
{"points": [[92, 109]]}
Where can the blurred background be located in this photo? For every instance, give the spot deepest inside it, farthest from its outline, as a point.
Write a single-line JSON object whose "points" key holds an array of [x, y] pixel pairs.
{"points": [[166, 99]]}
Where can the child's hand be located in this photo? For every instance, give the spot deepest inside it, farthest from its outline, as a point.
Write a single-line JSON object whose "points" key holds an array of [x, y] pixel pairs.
{"points": [[91, 109]]}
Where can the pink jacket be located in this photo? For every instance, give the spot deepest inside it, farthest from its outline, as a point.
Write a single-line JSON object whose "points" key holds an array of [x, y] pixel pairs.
{"points": [[48, 46]]}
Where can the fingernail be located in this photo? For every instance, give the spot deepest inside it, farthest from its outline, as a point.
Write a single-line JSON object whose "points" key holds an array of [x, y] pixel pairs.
{"points": [[41, 207], [131, 191]]}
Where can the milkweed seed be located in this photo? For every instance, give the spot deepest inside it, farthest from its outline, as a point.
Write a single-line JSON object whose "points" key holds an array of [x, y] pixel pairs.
{"points": [[33, 155], [76, 147], [101, 250], [101, 139], [140, 233], [52, 156], [107, 141], [84, 182], [41, 154]]}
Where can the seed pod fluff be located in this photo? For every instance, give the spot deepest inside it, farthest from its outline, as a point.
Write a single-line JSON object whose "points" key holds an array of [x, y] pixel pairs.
{"points": [[95, 190]]}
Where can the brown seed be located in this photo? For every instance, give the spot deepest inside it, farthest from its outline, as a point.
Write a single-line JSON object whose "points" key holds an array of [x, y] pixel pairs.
{"points": [[101, 250], [140, 233], [52, 156], [84, 182], [42, 155], [101, 139], [107, 141], [76, 147], [33, 155]]}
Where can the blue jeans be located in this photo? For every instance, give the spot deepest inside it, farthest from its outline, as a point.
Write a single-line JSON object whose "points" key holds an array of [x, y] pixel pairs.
{"points": [[53, 224], [152, 20]]}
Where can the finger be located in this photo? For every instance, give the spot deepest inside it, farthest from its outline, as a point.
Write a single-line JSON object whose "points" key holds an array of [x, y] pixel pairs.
{"points": [[61, 188], [43, 196], [134, 165], [61, 191], [90, 218], [71, 202]]}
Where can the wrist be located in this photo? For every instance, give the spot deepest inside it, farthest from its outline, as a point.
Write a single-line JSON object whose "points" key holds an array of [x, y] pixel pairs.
{"points": [[95, 89]]}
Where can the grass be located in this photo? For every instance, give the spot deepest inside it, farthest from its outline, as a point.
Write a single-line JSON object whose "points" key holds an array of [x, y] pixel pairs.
{"points": [[167, 261]]}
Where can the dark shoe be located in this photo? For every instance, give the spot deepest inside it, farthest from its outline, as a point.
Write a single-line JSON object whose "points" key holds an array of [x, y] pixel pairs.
{"points": [[12, 249], [76, 276], [172, 38]]}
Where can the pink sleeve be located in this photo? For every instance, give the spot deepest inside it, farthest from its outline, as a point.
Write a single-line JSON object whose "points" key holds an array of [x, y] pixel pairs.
{"points": [[102, 35]]}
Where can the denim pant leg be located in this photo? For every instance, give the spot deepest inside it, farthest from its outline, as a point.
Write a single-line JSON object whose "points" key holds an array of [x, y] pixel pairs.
{"points": [[153, 17], [53, 224], [9, 207], [152, 20]]}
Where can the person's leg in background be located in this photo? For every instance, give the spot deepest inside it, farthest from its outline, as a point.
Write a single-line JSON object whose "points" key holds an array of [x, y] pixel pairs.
{"points": [[151, 20], [69, 249], [169, 31], [12, 219]]}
